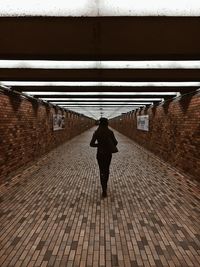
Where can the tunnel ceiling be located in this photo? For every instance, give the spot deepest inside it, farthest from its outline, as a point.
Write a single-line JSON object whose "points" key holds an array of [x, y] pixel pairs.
{"points": [[100, 8], [100, 66]]}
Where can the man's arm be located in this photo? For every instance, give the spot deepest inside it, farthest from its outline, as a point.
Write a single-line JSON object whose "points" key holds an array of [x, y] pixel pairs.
{"points": [[114, 139], [92, 142]]}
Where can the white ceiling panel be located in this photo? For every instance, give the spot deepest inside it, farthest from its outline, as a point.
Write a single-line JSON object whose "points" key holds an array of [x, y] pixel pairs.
{"points": [[99, 8]]}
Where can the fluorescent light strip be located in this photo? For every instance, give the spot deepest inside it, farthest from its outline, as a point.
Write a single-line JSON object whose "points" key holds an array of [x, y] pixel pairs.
{"points": [[101, 84], [104, 110], [102, 99], [98, 104], [103, 103], [100, 94], [109, 109], [106, 113], [50, 64], [97, 107], [89, 8]]}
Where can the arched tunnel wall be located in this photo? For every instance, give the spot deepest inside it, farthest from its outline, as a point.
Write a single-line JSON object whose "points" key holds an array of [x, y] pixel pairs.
{"points": [[26, 131], [174, 132]]}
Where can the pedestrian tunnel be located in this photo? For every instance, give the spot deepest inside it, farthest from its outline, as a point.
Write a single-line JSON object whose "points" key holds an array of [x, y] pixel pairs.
{"points": [[59, 76], [52, 212]]}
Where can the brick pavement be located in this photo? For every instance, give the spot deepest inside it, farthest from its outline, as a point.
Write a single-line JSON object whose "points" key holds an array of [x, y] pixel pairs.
{"points": [[52, 213]]}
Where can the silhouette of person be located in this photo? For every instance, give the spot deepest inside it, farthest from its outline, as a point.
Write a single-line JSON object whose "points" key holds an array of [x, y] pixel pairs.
{"points": [[103, 135]]}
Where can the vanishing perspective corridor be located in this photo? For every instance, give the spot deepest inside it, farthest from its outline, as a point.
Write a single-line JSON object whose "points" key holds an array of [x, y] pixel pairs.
{"points": [[52, 213]]}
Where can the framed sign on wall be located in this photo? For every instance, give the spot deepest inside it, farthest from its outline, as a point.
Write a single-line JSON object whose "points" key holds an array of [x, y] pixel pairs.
{"points": [[58, 122], [143, 123]]}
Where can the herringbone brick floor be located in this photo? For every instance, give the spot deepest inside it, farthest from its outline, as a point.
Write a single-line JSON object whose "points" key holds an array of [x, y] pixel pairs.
{"points": [[52, 213]]}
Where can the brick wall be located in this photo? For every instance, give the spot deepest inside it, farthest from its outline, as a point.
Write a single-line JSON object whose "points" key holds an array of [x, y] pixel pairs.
{"points": [[174, 132], [26, 131]]}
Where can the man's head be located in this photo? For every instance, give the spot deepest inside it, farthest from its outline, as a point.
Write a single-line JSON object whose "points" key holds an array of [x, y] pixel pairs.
{"points": [[103, 121]]}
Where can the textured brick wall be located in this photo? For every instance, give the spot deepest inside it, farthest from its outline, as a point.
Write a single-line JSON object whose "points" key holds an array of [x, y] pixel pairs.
{"points": [[26, 131], [174, 133]]}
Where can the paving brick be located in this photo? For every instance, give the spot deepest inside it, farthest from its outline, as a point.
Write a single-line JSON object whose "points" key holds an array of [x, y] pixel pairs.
{"points": [[56, 216]]}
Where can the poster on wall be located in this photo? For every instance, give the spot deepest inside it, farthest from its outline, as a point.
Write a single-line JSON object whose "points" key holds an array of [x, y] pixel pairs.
{"points": [[143, 123], [58, 122]]}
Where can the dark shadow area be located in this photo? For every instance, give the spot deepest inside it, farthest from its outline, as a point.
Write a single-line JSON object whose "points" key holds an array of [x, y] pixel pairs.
{"points": [[185, 100], [35, 106], [15, 100], [48, 109], [166, 105], [154, 109]]}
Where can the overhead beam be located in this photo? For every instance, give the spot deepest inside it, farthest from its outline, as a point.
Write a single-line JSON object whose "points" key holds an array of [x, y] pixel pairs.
{"points": [[102, 102], [117, 97], [91, 97], [103, 105], [104, 89], [97, 107], [100, 38], [129, 75]]}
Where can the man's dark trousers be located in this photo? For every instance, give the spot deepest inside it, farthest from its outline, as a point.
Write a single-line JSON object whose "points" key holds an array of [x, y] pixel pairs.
{"points": [[104, 160]]}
